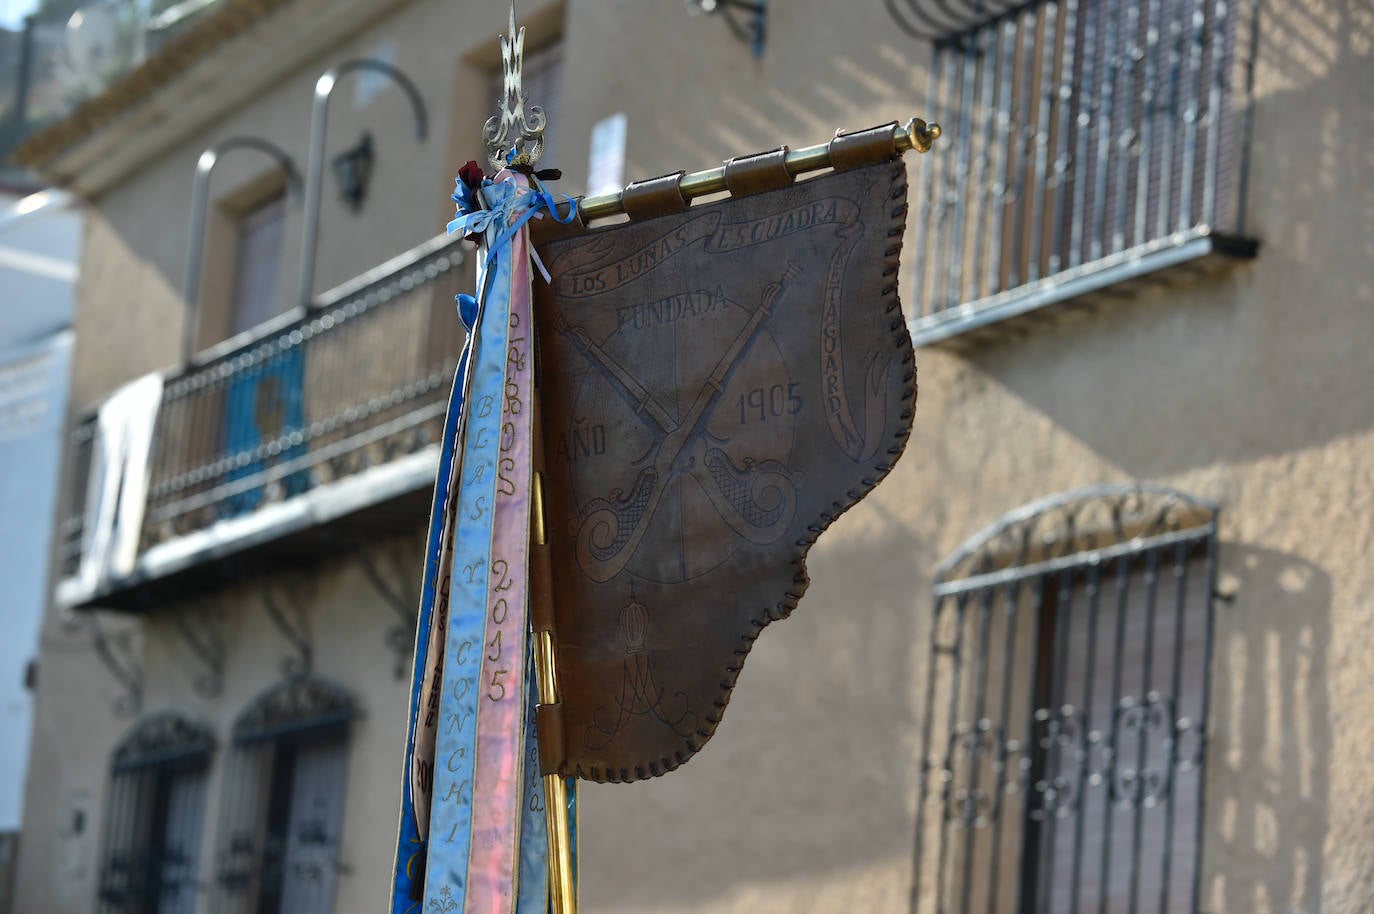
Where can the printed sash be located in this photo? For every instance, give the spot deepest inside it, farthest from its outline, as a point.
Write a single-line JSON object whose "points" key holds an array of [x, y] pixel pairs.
{"points": [[501, 696], [473, 833]]}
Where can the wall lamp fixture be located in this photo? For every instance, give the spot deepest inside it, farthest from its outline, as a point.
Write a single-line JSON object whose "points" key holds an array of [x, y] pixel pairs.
{"points": [[314, 167], [353, 171]]}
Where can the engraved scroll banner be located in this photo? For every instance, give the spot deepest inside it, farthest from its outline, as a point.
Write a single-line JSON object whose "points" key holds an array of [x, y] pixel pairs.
{"points": [[718, 385]]}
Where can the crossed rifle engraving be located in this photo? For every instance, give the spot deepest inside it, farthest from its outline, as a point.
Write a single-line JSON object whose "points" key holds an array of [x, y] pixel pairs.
{"points": [[612, 528]]}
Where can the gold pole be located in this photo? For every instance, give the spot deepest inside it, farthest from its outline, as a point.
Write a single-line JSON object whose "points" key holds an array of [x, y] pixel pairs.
{"points": [[917, 135], [562, 885]]}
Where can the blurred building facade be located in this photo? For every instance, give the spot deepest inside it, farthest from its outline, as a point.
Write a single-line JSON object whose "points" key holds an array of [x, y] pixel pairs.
{"points": [[1100, 642], [64, 52], [39, 243]]}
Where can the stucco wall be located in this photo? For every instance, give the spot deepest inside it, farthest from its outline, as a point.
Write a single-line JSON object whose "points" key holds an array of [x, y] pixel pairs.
{"points": [[348, 624], [1250, 388]]}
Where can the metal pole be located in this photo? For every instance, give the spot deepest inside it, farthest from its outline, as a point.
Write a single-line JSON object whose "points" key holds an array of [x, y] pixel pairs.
{"points": [[917, 134], [200, 206], [314, 169], [195, 252], [562, 885], [24, 83]]}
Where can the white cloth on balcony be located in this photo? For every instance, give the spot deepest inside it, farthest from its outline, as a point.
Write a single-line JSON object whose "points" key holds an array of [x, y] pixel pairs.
{"points": [[118, 486]]}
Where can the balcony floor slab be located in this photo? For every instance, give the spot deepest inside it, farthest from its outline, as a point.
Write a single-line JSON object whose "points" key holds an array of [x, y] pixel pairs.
{"points": [[379, 501]]}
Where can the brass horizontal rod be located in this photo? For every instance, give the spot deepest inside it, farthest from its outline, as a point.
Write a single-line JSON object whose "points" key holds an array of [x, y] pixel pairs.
{"points": [[917, 135]]}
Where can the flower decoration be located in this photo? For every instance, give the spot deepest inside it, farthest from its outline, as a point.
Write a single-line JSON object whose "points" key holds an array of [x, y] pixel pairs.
{"points": [[470, 180], [519, 204], [471, 175]]}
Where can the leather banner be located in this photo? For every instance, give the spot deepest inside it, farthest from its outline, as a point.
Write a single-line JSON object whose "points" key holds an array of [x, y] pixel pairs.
{"points": [[718, 384]]}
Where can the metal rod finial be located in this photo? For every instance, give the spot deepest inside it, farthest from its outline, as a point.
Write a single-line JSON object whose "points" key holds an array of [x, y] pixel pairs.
{"points": [[514, 136], [922, 135]]}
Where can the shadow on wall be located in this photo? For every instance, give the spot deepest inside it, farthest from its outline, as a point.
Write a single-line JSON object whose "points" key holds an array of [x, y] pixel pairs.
{"points": [[807, 786], [818, 97], [1260, 360], [1268, 775]]}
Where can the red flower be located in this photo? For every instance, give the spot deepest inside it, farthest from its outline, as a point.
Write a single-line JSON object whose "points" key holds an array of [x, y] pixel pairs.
{"points": [[471, 175]]}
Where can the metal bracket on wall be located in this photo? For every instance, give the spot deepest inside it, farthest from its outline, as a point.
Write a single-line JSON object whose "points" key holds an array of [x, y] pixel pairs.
{"points": [[119, 655], [396, 586], [753, 31], [290, 619], [208, 647]]}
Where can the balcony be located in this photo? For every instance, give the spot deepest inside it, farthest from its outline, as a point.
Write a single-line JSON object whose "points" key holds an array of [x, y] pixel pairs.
{"points": [[1094, 146], [298, 439]]}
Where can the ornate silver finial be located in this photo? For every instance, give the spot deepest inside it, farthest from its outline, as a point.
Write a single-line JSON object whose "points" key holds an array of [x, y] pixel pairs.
{"points": [[512, 136]]}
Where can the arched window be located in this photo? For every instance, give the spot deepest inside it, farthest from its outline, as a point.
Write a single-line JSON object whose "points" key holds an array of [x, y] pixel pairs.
{"points": [[154, 818], [1066, 708], [283, 801]]}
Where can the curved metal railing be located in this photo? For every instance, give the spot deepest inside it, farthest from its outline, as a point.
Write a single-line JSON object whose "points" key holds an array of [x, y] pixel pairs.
{"points": [[358, 380]]}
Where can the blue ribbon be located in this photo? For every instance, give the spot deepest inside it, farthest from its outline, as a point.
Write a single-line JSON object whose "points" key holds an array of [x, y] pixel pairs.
{"points": [[410, 850], [516, 205], [451, 820]]}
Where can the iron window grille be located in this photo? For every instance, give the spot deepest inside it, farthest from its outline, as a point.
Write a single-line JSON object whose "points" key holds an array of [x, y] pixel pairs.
{"points": [[1064, 733], [1089, 143], [283, 795], [155, 817]]}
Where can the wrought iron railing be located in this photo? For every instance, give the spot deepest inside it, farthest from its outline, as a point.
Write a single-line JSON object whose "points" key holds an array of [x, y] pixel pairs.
{"points": [[1083, 135], [359, 380], [71, 535], [163, 881]]}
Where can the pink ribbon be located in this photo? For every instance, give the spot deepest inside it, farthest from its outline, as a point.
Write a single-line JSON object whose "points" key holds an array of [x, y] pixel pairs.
{"points": [[501, 708]]}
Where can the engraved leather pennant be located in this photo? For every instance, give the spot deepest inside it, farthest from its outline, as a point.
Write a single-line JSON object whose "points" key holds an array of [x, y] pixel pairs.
{"points": [[718, 385]]}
